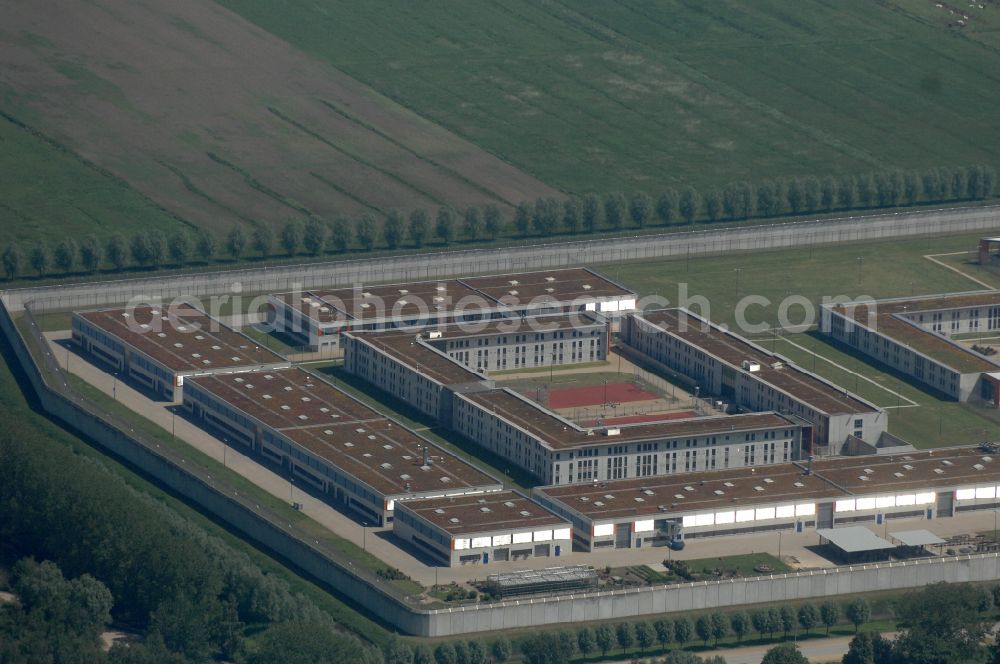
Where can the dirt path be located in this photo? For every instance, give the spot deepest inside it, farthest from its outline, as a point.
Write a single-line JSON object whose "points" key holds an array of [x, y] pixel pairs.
{"points": [[224, 123]]}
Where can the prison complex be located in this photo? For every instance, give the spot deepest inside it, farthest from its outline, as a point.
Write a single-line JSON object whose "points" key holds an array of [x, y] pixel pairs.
{"points": [[922, 337], [318, 318], [160, 347], [330, 441]]}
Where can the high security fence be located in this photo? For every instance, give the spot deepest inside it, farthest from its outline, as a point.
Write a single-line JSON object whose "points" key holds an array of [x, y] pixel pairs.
{"points": [[413, 267]]}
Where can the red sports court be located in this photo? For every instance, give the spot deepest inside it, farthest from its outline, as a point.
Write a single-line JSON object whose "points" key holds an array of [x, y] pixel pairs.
{"points": [[595, 395]]}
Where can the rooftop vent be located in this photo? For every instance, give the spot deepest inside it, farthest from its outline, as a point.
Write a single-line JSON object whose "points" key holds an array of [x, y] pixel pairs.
{"points": [[751, 366], [719, 492], [513, 282], [729, 484], [508, 503], [758, 488], [439, 511], [799, 484], [612, 432], [678, 496], [454, 520], [433, 334], [550, 278], [587, 287], [939, 471]]}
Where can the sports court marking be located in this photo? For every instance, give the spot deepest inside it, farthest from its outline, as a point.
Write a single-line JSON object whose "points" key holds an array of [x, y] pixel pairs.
{"points": [[595, 395], [933, 258], [910, 403]]}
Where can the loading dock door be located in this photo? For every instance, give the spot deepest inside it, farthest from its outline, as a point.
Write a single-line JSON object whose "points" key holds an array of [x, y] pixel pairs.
{"points": [[946, 504], [623, 536], [824, 515]]}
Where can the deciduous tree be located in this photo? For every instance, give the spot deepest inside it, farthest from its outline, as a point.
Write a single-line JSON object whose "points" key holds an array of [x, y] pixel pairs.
{"points": [[179, 247], [235, 242], [640, 207], [65, 254], [12, 260], [419, 222], [444, 225], [394, 229], [291, 237], [262, 240], [492, 221], [689, 205]]}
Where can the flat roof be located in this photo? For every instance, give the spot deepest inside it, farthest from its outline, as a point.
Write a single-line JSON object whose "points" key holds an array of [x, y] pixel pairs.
{"points": [[854, 539], [408, 348], [489, 512], [443, 296], [916, 538], [559, 435], [550, 285], [712, 490], [734, 349], [386, 301], [913, 471], [182, 338], [889, 322], [411, 346], [516, 325], [339, 429]]}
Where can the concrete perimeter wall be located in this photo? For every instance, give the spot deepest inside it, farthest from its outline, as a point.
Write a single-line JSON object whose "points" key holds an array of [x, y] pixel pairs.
{"points": [[711, 594], [413, 267]]}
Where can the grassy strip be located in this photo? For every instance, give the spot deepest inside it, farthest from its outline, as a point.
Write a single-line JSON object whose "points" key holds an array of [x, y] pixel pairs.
{"points": [[345, 550]]}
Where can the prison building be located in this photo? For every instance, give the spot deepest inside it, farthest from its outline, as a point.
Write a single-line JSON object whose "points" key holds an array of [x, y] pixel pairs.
{"points": [[524, 343], [480, 529], [920, 337], [646, 512], [916, 485], [559, 451], [330, 442], [744, 375], [318, 318], [160, 347], [424, 368], [826, 493]]}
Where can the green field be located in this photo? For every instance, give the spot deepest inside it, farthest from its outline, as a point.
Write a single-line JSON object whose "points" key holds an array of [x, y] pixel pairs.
{"points": [[885, 269], [49, 192], [597, 95]]}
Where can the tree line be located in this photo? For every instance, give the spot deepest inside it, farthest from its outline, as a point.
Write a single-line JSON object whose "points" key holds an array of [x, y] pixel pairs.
{"points": [[558, 647], [543, 217]]}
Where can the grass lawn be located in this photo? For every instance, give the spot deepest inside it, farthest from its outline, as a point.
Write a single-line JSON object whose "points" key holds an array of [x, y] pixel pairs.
{"points": [[605, 96], [886, 269]]}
